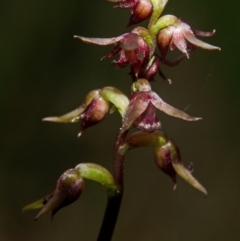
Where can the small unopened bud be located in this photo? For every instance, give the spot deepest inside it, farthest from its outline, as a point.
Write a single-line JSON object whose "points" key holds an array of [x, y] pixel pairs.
{"points": [[68, 189], [152, 69], [140, 11]]}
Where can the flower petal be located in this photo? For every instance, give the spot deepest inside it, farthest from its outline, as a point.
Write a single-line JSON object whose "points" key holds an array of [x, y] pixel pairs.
{"points": [[186, 175], [178, 40], [137, 106], [148, 121], [140, 11], [170, 110], [151, 69], [164, 40], [203, 34], [164, 162], [100, 41], [193, 40], [124, 3], [37, 204]]}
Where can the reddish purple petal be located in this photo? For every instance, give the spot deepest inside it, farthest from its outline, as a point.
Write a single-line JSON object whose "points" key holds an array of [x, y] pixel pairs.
{"points": [[148, 121], [163, 159], [125, 4], [140, 11], [100, 41], [170, 110], [116, 50], [151, 70], [193, 40], [164, 40], [178, 40], [137, 106], [130, 42]]}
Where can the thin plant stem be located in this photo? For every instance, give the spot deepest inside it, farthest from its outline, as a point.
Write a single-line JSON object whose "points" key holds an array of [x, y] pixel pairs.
{"points": [[114, 201], [110, 217], [119, 160]]}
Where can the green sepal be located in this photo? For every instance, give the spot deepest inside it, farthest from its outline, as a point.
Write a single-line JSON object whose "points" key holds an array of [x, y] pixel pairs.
{"points": [[116, 97], [186, 175], [158, 7], [35, 205], [97, 173], [163, 22]]}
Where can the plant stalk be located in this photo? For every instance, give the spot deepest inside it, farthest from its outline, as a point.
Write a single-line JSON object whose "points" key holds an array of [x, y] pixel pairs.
{"points": [[114, 201], [110, 217]]}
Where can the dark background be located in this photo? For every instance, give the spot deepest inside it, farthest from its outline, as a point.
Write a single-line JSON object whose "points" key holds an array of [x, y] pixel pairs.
{"points": [[45, 72]]}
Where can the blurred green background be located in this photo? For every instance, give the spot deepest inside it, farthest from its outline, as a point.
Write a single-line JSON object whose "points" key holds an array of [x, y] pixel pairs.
{"points": [[45, 72]]}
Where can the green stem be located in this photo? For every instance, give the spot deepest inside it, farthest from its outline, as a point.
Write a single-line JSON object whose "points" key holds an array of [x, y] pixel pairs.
{"points": [[158, 7], [163, 22]]}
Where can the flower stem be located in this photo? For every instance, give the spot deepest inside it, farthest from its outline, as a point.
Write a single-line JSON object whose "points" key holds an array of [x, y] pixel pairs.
{"points": [[119, 160], [158, 7], [110, 217], [114, 201]]}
